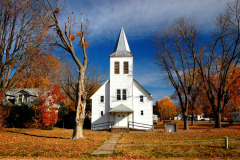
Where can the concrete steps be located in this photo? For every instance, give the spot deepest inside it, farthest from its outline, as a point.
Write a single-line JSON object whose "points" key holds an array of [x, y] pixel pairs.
{"points": [[119, 129]]}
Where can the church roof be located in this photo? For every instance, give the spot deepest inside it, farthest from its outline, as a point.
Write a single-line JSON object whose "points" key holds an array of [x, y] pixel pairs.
{"points": [[121, 108], [121, 48], [143, 88]]}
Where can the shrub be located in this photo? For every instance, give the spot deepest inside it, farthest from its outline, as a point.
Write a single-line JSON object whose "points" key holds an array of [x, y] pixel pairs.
{"points": [[20, 115], [50, 127]]}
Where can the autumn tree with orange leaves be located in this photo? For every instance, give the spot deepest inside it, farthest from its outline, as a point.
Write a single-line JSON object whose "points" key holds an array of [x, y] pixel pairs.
{"points": [[233, 82], [42, 70], [67, 37], [166, 108], [21, 39]]}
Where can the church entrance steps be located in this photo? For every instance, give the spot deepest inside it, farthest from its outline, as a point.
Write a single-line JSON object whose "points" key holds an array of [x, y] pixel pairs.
{"points": [[105, 129], [119, 129]]}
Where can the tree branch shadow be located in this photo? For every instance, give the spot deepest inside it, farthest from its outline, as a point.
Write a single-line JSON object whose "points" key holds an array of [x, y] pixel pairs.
{"points": [[33, 135]]}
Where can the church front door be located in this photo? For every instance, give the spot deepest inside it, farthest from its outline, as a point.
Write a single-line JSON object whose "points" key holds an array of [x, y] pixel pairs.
{"points": [[121, 120]]}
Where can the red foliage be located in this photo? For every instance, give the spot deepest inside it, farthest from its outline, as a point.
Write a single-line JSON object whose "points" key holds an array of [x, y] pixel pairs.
{"points": [[47, 112]]}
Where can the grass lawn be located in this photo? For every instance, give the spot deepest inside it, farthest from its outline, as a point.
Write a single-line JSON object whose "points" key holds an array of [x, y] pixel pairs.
{"points": [[18, 143], [201, 141]]}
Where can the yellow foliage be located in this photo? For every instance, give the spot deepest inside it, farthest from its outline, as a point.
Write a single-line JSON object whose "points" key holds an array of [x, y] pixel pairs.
{"points": [[166, 108]]}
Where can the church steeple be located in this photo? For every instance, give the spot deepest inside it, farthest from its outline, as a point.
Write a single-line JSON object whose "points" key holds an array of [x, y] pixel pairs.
{"points": [[121, 48]]}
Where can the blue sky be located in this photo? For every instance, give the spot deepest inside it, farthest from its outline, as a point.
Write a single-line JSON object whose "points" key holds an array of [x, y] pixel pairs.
{"points": [[141, 19]]}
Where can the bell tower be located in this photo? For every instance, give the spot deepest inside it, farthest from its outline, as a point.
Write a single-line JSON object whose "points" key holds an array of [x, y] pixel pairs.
{"points": [[121, 73]]}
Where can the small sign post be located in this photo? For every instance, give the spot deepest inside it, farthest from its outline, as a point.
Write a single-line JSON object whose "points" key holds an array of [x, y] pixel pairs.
{"points": [[226, 142]]}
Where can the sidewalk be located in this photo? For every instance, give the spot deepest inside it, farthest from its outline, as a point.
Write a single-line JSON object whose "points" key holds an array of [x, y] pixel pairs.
{"points": [[109, 146]]}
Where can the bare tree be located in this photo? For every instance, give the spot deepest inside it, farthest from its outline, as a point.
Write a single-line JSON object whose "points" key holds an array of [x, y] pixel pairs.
{"points": [[215, 64], [94, 79], [66, 37], [22, 34], [175, 45]]}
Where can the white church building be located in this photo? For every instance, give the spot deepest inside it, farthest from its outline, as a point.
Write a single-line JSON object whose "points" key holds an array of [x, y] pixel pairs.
{"points": [[121, 101]]}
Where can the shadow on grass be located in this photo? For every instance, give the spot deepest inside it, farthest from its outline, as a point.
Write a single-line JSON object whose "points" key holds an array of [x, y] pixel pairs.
{"points": [[33, 135]]}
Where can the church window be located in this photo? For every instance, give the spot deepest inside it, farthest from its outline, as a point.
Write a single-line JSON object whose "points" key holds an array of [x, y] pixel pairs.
{"points": [[101, 113], [124, 94], [141, 98], [141, 112], [125, 68], [121, 94], [102, 99], [116, 67], [118, 94]]}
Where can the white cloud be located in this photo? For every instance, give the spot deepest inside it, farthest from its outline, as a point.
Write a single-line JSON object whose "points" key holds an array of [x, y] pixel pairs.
{"points": [[142, 17]]}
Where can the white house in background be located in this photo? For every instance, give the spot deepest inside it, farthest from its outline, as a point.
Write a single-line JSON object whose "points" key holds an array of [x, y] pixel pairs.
{"points": [[21, 95], [235, 116], [28, 96], [122, 100]]}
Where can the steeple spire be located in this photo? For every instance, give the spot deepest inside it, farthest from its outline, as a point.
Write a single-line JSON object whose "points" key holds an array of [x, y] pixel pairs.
{"points": [[122, 43], [121, 47]]}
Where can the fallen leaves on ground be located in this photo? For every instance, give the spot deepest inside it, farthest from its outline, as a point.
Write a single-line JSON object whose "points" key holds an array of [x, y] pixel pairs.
{"points": [[198, 142], [48, 143]]}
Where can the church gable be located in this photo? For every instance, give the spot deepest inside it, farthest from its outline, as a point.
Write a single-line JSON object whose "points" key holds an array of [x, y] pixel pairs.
{"points": [[140, 88], [101, 91]]}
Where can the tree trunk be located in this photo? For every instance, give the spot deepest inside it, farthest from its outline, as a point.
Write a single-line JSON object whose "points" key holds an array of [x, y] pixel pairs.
{"points": [[80, 108], [78, 128], [218, 123], [185, 120]]}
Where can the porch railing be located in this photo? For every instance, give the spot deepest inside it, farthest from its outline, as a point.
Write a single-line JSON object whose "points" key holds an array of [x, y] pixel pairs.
{"points": [[142, 125], [105, 125], [102, 125]]}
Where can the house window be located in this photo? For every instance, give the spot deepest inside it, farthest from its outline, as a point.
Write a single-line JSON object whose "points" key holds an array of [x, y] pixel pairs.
{"points": [[19, 98], [121, 95], [116, 67], [141, 112], [141, 98], [101, 113], [125, 67], [124, 94], [102, 99], [24, 98], [118, 94]]}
